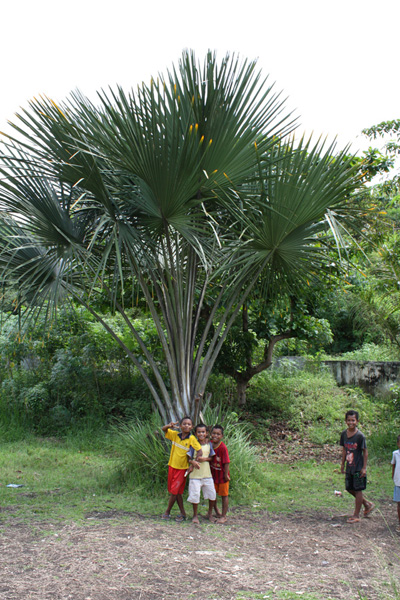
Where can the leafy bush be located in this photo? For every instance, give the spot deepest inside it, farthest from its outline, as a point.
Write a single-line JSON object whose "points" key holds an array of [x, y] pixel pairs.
{"points": [[310, 402], [374, 352], [51, 379]]}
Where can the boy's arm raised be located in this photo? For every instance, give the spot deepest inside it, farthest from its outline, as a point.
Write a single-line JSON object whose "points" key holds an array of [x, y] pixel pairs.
{"points": [[170, 426]]}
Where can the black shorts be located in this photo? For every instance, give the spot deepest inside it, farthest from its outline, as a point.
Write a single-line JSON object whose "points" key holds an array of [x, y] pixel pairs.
{"points": [[355, 483]]}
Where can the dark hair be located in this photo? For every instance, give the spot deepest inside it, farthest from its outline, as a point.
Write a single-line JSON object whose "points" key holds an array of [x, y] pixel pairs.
{"points": [[200, 425], [398, 437], [218, 427], [183, 419], [352, 413]]}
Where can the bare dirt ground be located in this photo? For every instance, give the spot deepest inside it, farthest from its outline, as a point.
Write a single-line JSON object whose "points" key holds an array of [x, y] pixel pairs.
{"points": [[139, 557], [117, 556]]}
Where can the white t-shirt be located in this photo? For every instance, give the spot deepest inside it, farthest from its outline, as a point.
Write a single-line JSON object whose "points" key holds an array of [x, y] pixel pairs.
{"points": [[396, 461], [204, 472]]}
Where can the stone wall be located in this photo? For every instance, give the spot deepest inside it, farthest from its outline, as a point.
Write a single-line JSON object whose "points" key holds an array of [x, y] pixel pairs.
{"points": [[373, 377]]}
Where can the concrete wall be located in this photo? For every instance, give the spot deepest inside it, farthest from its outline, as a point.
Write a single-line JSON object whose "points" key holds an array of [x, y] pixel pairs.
{"points": [[373, 377]]}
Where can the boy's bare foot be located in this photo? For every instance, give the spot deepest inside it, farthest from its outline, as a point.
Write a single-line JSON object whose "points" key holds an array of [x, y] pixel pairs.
{"points": [[210, 518], [221, 520], [196, 520]]}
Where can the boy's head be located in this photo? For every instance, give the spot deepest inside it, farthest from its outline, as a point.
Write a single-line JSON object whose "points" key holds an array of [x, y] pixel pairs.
{"points": [[217, 433], [186, 424], [200, 431], [352, 413], [351, 420]]}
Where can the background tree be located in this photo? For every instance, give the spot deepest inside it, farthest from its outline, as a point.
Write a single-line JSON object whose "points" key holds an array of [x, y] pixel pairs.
{"points": [[180, 189], [250, 345]]}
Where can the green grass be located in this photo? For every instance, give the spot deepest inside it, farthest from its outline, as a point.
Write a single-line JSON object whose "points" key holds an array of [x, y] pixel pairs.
{"points": [[61, 481], [125, 470], [66, 481]]}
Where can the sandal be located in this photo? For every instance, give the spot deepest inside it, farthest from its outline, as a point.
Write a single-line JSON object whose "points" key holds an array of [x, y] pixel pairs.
{"points": [[165, 517], [353, 520], [368, 511], [180, 518]]}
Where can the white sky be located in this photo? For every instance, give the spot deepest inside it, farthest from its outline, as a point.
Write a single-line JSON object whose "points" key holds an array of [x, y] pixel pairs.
{"points": [[337, 61]]}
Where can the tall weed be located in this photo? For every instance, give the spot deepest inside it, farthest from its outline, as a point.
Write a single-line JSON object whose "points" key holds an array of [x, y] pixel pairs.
{"points": [[143, 452]]}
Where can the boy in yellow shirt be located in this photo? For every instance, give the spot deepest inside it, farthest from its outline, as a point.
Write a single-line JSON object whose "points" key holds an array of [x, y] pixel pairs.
{"points": [[178, 463]]}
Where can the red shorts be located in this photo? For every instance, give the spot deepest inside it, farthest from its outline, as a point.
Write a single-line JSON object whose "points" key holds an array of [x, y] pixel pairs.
{"points": [[222, 489], [176, 481]]}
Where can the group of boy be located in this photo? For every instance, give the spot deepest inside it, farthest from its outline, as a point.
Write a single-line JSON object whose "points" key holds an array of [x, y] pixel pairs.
{"points": [[205, 462]]}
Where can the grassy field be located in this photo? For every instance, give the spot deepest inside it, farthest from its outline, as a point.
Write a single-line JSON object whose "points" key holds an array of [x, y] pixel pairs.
{"points": [[64, 480]]}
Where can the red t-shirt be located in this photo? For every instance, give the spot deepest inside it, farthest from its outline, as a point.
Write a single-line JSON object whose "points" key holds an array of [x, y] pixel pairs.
{"points": [[220, 459]]}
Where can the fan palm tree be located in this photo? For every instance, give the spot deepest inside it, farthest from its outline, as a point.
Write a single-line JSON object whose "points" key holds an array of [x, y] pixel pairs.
{"points": [[180, 191]]}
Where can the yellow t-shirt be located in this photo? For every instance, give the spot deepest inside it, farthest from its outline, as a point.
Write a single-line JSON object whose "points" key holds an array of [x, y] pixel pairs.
{"points": [[178, 458]]}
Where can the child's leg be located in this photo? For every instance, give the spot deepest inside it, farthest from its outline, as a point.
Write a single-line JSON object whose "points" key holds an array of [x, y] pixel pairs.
{"points": [[179, 499], [216, 509], [358, 504], [171, 502], [359, 501], [195, 517], [225, 505], [211, 504]]}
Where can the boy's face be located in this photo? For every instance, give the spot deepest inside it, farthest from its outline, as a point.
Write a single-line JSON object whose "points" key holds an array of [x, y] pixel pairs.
{"points": [[201, 434], [216, 436], [351, 422], [186, 426]]}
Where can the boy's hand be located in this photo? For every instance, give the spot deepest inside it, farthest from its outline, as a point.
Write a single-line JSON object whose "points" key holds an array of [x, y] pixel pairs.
{"points": [[342, 469], [227, 478], [173, 424], [195, 464], [363, 472]]}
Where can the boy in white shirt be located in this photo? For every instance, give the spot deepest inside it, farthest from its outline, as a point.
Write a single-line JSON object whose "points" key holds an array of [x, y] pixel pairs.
{"points": [[396, 478], [200, 479]]}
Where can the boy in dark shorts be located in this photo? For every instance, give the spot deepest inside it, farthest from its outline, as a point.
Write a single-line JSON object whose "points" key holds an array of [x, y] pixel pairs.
{"points": [[220, 472], [178, 463], [355, 455]]}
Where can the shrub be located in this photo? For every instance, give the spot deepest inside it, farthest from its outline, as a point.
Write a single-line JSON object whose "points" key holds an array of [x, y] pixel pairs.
{"points": [[144, 454]]}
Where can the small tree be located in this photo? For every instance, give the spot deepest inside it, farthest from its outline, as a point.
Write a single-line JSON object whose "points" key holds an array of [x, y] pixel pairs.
{"points": [[250, 345]]}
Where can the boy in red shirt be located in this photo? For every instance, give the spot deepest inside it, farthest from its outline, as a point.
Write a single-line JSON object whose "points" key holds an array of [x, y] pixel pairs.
{"points": [[220, 472]]}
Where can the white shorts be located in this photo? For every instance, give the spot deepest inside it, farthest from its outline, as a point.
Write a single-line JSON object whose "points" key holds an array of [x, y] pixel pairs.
{"points": [[208, 487]]}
